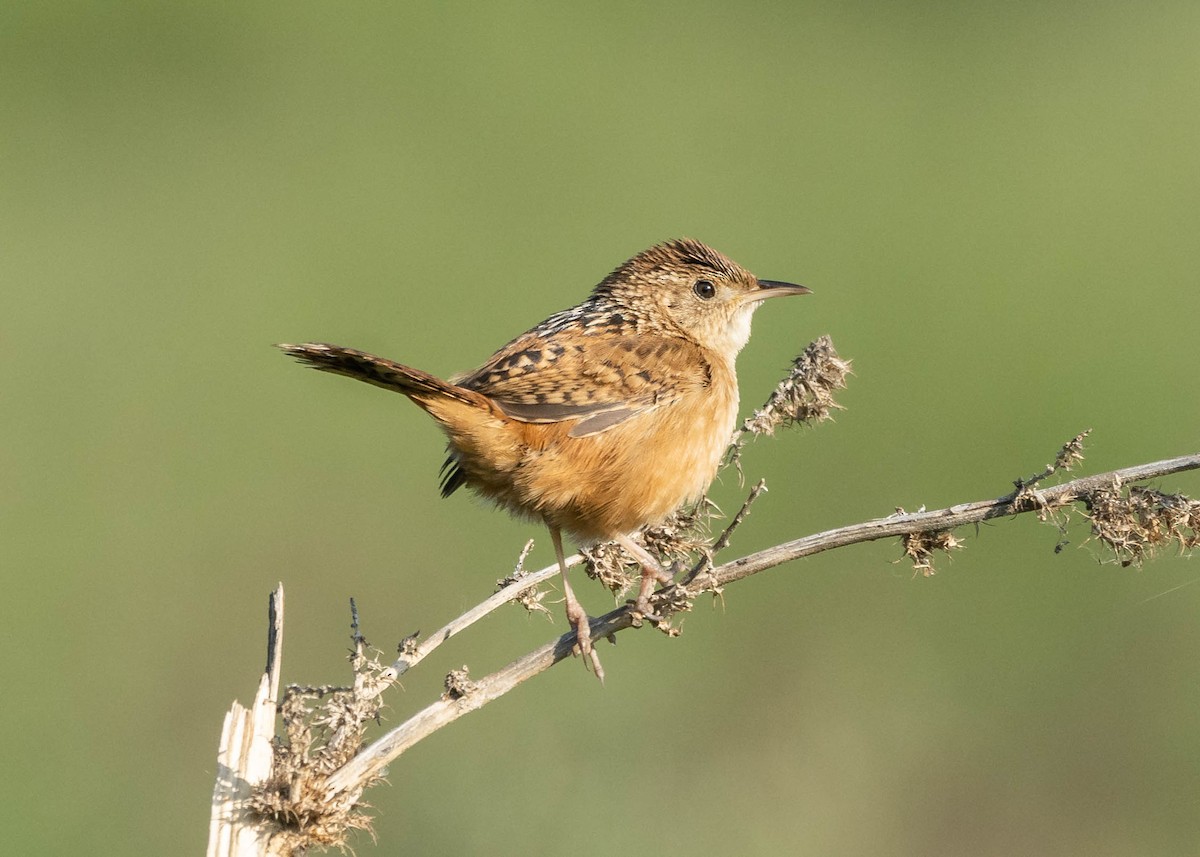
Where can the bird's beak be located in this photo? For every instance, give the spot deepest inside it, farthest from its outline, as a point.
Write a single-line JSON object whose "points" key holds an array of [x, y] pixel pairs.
{"points": [[776, 289]]}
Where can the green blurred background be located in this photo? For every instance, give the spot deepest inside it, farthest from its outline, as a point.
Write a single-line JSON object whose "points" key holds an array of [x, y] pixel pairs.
{"points": [[998, 207]]}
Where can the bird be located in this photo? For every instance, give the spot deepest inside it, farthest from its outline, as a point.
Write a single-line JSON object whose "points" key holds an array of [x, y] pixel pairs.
{"points": [[602, 419]]}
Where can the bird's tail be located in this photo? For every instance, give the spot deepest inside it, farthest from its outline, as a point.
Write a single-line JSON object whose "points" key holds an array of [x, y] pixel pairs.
{"points": [[424, 389]]}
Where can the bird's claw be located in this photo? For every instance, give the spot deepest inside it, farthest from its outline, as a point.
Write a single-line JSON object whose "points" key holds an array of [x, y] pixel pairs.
{"points": [[583, 643]]}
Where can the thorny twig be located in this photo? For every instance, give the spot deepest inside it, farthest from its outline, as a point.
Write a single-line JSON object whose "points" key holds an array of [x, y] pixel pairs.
{"points": [[722, 542]]}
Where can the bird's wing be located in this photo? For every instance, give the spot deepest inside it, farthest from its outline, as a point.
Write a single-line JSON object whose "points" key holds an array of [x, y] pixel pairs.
{"points": [[600, 380]]}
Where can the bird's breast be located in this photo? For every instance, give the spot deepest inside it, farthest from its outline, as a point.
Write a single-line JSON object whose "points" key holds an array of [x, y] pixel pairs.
{"points": [[635, 473]]}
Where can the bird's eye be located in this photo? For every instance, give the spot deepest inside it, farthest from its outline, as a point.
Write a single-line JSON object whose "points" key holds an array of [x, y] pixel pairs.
{"points": [[704, 290]]}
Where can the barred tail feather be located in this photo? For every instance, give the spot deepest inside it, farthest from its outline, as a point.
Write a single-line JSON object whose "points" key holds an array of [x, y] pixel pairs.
{"points": [[417, 385]]}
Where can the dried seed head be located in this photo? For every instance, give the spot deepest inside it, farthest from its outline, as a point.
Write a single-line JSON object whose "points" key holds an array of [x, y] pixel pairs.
{"points": [[920, 548], [806, 394], [408, 646], [685, 533], [682, 537], [458, 684], [323, 730], [1134, 524], [607, 563], [1071, 453], [531, 597]]}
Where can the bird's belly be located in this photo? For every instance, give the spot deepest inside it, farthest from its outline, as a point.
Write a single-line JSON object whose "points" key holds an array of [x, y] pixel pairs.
{"points": [[634, 474]]}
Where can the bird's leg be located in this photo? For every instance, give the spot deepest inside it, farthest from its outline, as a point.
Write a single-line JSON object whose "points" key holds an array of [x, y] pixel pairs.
{"points": [[652, 573], [575, 612]]}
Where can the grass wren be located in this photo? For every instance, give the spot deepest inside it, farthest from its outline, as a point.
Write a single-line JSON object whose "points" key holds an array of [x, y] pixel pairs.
{"points": [[604, 418]]}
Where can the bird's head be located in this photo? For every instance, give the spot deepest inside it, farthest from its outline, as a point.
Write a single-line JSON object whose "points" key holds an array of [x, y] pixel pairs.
{"points": [[689, 289]]}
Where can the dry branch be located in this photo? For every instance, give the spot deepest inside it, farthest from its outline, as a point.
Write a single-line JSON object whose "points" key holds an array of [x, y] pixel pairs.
{"points": [[244, 759], [371, 762], [308, 792], [1145, 519]]}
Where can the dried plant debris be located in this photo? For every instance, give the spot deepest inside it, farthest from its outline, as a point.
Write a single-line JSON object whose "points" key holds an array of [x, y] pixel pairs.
{"points": [[1071, 452], [531, 598], [684, 534], [678, 541], [323, 730], [408, 646], [458, 684], [921, 547], [607, 563], [1132, 523], [1135, 523], [1070, 455], [805, 395]]}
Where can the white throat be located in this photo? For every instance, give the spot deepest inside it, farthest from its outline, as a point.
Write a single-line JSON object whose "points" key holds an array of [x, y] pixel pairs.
{"points": [[734, 336]]}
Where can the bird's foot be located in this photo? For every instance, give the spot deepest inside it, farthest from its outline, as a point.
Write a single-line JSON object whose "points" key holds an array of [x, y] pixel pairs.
{"points": [[642, 605], [583, 639], [663, 576], [644, 610]]}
